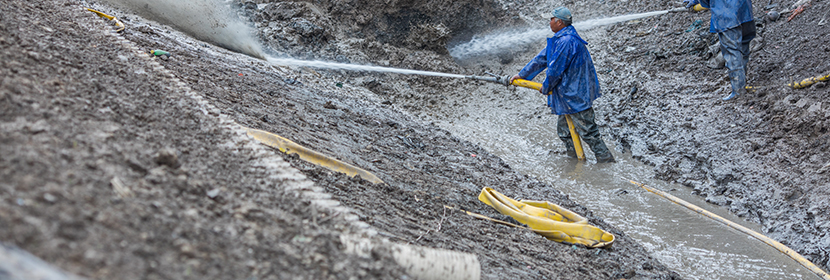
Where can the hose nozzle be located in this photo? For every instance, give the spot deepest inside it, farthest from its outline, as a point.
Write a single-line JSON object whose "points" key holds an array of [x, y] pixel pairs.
{"points": [[493, 78]]}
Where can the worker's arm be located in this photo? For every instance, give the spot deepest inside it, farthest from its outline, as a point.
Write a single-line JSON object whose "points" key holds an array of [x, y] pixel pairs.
{"points": [[533, 68]]}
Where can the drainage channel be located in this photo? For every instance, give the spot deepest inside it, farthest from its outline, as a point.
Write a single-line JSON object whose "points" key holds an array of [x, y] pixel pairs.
{"points": [[693, 245]]}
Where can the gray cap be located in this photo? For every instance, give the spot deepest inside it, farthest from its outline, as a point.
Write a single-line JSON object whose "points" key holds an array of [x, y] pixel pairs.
{"points": [[562, 13]]}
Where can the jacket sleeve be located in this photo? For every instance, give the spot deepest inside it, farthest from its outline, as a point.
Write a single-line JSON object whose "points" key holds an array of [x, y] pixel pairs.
{"points": [[535, 66], [560, 60], [705, 4]]}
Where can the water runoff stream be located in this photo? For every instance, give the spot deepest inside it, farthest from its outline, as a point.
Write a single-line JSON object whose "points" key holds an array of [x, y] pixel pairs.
{"points": [[693, 245], [524, 135]]}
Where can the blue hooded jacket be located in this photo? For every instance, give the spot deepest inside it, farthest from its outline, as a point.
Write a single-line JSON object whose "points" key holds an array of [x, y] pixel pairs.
{"points": [[727, 14], [570, 74]]}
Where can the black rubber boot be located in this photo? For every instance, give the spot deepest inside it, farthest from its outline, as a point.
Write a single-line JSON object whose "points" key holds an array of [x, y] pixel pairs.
{"points": [[607, 157]]}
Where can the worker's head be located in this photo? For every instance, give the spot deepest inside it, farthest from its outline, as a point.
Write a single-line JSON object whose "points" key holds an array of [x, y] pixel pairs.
{"points": [[560, 18]]}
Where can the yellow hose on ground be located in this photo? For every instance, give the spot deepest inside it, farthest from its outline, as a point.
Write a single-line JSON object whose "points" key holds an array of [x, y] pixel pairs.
{"points": [[808, 81], [577, 143], [549, 220], [289, 147], [118, 23], [769, 241]]}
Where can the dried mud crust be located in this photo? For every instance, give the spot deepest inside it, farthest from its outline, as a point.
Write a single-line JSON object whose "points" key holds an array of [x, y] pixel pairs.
{"points": [[79, 109]]}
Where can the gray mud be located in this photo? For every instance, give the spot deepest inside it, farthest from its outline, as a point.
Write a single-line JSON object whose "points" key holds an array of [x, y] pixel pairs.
{"points": [[78, 109]]}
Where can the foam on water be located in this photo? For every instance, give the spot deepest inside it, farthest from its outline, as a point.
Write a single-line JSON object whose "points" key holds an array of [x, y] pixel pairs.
{"points": [[511, 40]]}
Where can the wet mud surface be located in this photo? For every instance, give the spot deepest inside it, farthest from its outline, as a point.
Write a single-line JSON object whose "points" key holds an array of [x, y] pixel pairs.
{"points": [[84, 118], [78, 110]]}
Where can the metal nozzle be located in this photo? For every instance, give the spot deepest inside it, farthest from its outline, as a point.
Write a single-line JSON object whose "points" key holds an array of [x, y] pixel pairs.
{"points": [[505, 80]]}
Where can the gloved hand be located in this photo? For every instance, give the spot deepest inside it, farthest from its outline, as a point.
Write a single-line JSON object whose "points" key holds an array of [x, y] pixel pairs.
{"points": [[514, 78], [690, 3]]}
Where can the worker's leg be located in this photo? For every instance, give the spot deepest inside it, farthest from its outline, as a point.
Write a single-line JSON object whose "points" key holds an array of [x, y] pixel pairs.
{"points": [[736, 53], [586, 127], [747, 34], [565, 134]]}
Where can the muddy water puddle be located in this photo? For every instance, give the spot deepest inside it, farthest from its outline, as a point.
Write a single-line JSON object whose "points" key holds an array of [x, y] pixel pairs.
{"points": [[689, 243]]}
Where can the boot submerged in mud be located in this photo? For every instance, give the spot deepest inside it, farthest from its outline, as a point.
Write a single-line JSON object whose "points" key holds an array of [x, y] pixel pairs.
{"points": [[605, 158]]}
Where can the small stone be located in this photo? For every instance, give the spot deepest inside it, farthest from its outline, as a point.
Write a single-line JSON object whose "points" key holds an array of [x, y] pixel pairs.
{"points": [[213, 193], [773, 15], [167, 157], [50, 198], [820, 85]]}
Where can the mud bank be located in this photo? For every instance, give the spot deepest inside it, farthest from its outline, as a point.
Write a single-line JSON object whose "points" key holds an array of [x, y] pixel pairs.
{"points": [[111, 169], [763, 156]]}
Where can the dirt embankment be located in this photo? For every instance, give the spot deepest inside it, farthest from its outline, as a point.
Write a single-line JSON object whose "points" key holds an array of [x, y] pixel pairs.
{"points": [[111, 170], [764, 156], [81, 113]]}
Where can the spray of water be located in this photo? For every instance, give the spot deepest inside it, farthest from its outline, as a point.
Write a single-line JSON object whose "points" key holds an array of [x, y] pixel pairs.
{"points": [[355, 67], [213, 21], [511, 40], [208, 20]]}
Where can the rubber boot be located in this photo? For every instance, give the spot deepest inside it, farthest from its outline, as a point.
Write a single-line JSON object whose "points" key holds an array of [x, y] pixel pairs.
{"points": [[738, 80], [607, 157], [570, 151]]}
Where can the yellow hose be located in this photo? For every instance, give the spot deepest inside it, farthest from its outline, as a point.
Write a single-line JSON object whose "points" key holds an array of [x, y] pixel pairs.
{"points": [[809, 81], [577, 143], [289, 147], [769, 241], [575, 137], [698, 8], [118, 23], [549, 220]]}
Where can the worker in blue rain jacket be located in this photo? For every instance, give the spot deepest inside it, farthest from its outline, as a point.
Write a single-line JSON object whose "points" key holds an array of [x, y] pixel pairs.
{"points": [[732, 20], [571, 84]]}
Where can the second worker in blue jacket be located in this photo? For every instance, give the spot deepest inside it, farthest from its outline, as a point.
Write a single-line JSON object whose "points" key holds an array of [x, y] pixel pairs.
{"points": [[732, 20], [571, 84]]}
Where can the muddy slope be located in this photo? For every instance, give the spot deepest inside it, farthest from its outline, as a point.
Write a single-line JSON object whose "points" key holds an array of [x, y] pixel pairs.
{"points": [[424, 167], [80, 109], [764, 155]]}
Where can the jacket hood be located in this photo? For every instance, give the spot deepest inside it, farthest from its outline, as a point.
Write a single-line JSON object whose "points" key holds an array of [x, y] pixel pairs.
{"points": [[569, 30]]}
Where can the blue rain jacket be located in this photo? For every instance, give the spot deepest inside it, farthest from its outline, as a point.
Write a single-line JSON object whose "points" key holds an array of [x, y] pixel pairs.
{"points": [[570, 74], [727, 14]]}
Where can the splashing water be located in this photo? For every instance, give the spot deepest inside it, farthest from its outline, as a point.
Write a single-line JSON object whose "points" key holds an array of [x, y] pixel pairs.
{"points": [[511, 40], [354, 67]]}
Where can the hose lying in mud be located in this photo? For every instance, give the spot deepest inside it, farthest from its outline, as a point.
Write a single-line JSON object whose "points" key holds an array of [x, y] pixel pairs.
{"points": [[420, 262], [289, 147], [549, 220], [769, 241], [115, 20], [808, 81]]}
